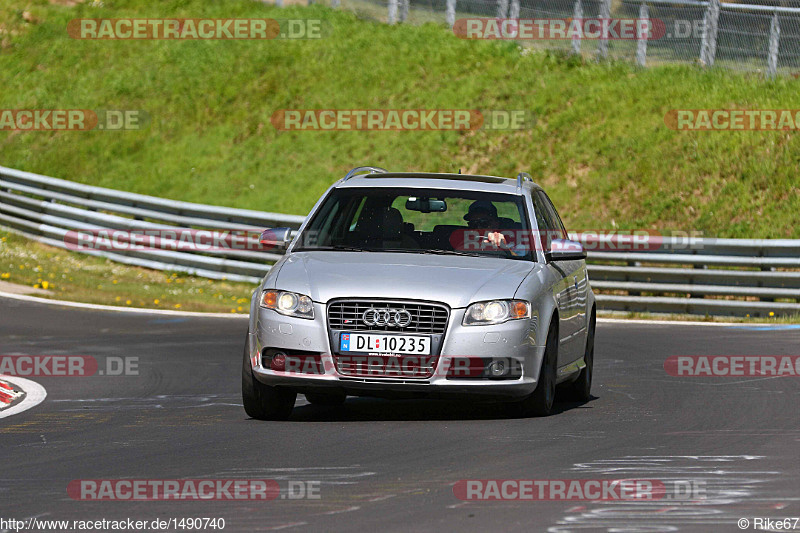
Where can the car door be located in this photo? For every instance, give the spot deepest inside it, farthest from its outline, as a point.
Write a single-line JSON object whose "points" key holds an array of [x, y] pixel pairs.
{"points": [[561, 288], [573, 294]]}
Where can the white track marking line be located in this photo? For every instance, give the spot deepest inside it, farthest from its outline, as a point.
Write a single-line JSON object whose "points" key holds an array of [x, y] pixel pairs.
{"points": [[118, 309], [34, 395]]}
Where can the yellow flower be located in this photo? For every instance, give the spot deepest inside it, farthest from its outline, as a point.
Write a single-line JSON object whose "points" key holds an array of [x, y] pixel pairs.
{"points": [[5, 275], [239, 308], [156, 301], [51, 275], [114, 281], [118, 298], [169, 280], [200, 291], [233, 310], [771, 313], [177, 306], [127, 302], [36, 286], [45, 284]]}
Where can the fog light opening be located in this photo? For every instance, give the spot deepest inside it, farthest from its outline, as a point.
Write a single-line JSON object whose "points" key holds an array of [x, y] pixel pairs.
{"points": [[278, 362], [498, 368]]}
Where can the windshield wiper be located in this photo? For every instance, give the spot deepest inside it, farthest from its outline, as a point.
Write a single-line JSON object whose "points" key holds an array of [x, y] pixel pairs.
{"points": [[434, 251], [334, 248]]}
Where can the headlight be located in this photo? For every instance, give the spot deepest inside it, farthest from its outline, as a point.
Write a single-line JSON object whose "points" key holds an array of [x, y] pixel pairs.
{"points": [[496, 312], [288, 303]]}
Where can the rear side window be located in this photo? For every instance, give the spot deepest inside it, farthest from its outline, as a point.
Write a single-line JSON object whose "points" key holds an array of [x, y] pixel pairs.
{"points": [[550, 225]]}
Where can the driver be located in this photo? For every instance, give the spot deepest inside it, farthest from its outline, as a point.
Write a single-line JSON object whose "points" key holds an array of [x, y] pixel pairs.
{"points": [[482, 215]]}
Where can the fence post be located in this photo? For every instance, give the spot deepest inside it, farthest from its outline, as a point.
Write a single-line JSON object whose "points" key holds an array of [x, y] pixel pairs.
{"points": [[605, 13], [513, 12], [577, 14], [774, 45], [708, 46], [404, 5], [450, 13], [502, 9], [641, 39], [392, 11], [334, 4], [278, 3]]}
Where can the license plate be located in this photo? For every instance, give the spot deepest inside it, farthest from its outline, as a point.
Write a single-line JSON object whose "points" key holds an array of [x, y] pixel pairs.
{"points": [[401, 344]]}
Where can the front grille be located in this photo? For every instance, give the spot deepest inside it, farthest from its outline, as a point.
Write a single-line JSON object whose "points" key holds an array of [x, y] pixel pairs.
{"points": [[425, 318], [386, 367]]}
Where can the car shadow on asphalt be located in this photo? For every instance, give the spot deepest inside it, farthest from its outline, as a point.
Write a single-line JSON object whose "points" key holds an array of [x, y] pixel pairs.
{"points": [[376, 409]]}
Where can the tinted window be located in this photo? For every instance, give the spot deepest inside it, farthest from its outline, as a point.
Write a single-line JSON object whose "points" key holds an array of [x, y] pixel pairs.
{"points": [[391, 220]]}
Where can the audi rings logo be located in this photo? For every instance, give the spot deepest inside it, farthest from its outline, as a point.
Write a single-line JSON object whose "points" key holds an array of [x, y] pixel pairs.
{"points": [[386, 317]]}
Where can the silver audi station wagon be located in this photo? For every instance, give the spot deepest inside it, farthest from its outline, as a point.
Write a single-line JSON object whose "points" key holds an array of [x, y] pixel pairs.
{"points": [[422, 285]]}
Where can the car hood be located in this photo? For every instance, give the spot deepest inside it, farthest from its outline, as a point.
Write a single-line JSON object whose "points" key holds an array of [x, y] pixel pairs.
{"points": [[454, 280]]}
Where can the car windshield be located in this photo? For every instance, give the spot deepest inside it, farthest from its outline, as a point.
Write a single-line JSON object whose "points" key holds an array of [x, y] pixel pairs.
{"points": [[412, 220]]}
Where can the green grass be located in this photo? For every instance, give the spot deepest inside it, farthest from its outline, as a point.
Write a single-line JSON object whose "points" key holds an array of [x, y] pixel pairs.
{"points": [[76, 277], [599, 146]]}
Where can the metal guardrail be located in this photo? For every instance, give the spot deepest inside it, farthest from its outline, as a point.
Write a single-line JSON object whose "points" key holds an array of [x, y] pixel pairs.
{"points": [[47, 209], [760, 36], [694, 275]]}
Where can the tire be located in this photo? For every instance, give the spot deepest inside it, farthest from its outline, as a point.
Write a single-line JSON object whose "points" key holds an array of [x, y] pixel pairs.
{"points": [[540, 402], [261, 401], [581, 388], [325, 398]]}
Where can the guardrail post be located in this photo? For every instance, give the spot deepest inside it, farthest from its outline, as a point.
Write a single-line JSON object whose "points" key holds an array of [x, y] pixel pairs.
{"points": [[602, 44], [774, 46], [513, 12], [502, 9], [404, 5], [577, 14], [641, 40], [392, 11], [708, 46], [450, 13]]}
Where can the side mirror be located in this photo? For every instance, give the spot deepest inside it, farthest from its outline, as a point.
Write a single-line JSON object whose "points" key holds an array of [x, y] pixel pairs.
{"points": [[565, 250], [276, 237]]}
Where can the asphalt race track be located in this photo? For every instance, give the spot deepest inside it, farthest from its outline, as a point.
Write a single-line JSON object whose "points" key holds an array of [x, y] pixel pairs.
{"points": [[392, 465]]}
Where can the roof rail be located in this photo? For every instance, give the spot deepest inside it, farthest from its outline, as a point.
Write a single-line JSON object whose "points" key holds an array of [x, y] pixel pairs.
{"points": [[361, 170], [522, 176]]}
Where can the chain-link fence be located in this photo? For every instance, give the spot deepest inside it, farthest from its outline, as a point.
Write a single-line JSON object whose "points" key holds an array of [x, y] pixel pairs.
{"points": [[753, 37]]}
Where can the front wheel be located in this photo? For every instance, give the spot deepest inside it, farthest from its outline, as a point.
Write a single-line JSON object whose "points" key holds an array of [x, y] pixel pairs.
{"points": [[261, 401], [581, 388], [540, 402]]}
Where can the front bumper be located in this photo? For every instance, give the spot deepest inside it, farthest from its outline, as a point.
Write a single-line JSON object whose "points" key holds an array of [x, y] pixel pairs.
{"points": [[516, 340]]}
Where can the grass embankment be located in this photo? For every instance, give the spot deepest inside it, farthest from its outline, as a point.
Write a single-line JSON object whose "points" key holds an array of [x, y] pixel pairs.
{"points": [[600, 145], [63, 275]]}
